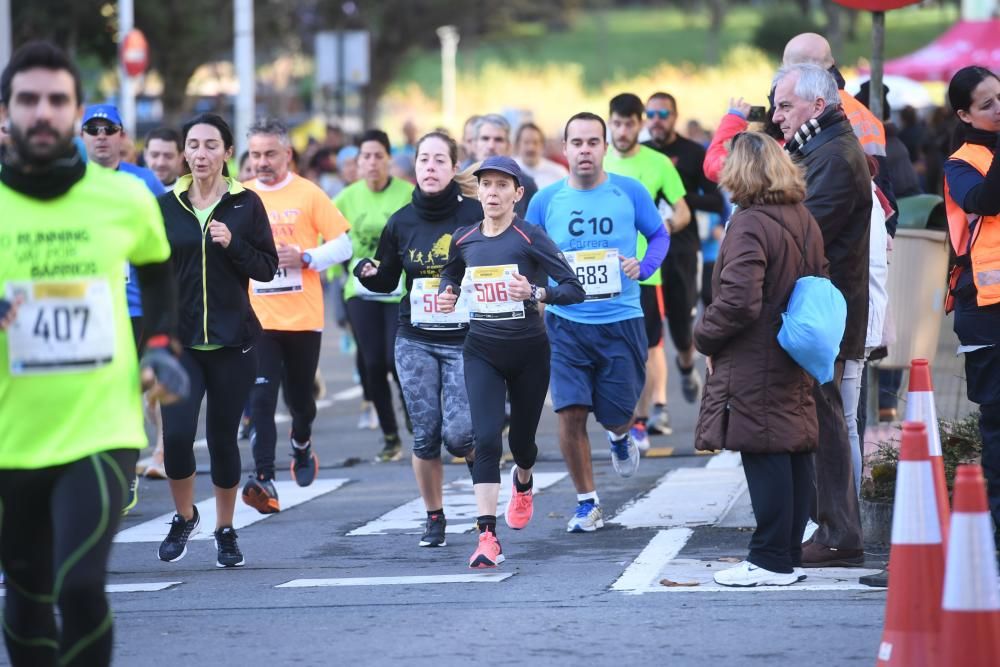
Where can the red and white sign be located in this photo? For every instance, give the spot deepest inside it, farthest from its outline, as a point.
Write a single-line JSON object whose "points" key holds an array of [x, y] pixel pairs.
{"points": [[135, 53], [876, 5]]}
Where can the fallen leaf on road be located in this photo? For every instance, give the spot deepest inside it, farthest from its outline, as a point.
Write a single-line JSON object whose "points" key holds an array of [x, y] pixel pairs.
{"points": [[730, 559], [673, 584]]}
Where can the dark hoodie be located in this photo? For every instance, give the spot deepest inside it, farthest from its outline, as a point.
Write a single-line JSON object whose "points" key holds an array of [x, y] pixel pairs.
{"points": [[416, 240], [212, 281]]}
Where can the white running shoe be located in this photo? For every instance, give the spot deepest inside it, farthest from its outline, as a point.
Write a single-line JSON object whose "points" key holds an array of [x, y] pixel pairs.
{"points": [[368, 419], [625, 455], [746, 574], [587, 519]]}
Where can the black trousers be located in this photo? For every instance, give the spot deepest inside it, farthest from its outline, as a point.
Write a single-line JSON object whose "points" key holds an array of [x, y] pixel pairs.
{"points": [[56, 528], [982, 373], [494, 368], [780, 488], [836, 507], [226, 376], [374, 325], [680, 295], [286, 360]]}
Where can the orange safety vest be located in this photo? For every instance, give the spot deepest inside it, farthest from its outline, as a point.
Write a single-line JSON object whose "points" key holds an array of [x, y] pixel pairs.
{"points": [[975, 235], [867, 128]]}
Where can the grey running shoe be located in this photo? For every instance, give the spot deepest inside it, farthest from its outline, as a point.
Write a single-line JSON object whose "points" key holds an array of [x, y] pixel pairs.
{"points": [[434, 531], [659, 422], [229, 550], [690, 383]]}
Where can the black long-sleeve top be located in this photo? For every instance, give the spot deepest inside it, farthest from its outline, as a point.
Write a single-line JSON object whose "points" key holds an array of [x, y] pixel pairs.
{"points": [[536, 256], [416, 240]]}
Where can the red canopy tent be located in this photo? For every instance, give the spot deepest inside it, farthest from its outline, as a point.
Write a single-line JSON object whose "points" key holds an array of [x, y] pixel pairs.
{"points": [[965, 43]]}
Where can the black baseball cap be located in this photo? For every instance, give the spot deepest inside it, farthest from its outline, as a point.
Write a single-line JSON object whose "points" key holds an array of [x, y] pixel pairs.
{"points": [[503, 164]]}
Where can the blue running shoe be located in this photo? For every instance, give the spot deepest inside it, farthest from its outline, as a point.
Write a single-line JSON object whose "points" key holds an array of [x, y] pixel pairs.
{"points": [[625, 455], [587, 519]]}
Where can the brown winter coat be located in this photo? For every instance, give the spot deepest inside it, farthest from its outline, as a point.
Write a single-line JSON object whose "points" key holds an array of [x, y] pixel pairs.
{"points": [[758, 400]]}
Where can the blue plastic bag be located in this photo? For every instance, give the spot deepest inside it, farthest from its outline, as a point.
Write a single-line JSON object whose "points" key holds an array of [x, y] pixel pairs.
{"points": [[813, 326]]}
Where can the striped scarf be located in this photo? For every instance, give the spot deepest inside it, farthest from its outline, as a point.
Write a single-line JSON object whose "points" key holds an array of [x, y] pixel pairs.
{"points": [[809, 129]]}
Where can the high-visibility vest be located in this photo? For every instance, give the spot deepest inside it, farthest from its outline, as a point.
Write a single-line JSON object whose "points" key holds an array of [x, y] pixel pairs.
{"points": [[975, 238], [867, 128]]}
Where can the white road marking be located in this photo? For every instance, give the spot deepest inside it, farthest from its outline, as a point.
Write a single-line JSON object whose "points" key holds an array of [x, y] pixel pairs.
{"points": [[699, 572], [470, 578], [687, 497], [289, 493], [150, 587], [459, 508], [644, 570]]}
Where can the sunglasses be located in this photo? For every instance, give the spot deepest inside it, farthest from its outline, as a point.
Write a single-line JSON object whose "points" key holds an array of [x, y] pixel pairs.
{"points": [[107, 130], [662, 114]]}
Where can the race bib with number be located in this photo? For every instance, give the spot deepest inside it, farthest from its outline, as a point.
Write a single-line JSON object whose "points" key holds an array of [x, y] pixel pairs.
{"points": [[599, 271], [488, 298], [61, 326], [286, 281], [424, 311]]}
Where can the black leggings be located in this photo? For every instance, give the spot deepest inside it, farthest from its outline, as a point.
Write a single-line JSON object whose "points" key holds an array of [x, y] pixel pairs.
{"points": [[374, 325], [285, 359], [680, 296], [495, 367], [226, 375], [56, 528]]}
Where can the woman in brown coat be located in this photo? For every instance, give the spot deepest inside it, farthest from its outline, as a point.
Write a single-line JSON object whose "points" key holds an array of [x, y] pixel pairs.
{"points": [[757, 400]]}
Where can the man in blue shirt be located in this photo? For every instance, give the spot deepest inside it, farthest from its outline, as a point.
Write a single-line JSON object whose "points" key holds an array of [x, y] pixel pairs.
{"points": [[103, 136], [598, 346]]}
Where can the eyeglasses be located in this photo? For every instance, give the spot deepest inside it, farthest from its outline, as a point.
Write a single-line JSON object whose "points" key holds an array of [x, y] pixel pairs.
{"points": [[663, 114], [107, 130]]}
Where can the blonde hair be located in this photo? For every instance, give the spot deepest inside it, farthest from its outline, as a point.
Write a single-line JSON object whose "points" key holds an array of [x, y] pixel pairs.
{"points": [[758, 171]]}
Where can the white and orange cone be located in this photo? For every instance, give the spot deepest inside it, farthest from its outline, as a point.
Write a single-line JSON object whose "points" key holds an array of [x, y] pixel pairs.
{"points": [[912, 633], [920, 408], [971, 603]]}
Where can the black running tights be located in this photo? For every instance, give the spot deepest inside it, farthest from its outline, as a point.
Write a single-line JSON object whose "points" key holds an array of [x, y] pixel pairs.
{"points": [[494, 368], [286, 360], [374, 325], [226, 376], [56, 527]]}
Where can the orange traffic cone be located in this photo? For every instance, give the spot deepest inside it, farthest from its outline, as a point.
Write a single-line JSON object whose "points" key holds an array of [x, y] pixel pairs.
{"points": [[971, 604], [912, 633], [920, 408]]}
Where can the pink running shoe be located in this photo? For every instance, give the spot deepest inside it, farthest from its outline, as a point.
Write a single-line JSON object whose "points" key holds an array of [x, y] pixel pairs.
{"points": [[521, 505], [488, 553]]}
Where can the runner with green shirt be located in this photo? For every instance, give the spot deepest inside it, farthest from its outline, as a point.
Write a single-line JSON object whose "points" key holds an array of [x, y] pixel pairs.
{"points": [[367, 204], [70, 399], [659, 176]]}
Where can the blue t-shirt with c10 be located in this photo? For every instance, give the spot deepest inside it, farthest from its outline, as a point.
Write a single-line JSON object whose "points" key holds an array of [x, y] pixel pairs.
{"points": [[608, 216]]}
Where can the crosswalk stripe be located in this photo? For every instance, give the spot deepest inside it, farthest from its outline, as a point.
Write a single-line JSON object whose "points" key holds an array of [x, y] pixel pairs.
{"points": [[470, 578], [147, 587], [459, 508], [663, 548], [289, 492], [687, 497]]}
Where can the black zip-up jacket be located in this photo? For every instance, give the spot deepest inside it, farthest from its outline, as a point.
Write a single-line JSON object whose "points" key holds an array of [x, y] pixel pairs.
{"points": [[212, 281]]}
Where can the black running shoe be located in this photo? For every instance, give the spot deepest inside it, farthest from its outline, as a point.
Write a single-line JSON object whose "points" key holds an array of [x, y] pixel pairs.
{"points": [[229, 551], [174, 547], [434, 531], [392, 451], [305, 465], [260, 494]]}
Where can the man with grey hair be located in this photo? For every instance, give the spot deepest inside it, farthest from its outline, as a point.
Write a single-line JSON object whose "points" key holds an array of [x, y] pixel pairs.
{"points": [[290, 307], [818, 136], [493, 138]]}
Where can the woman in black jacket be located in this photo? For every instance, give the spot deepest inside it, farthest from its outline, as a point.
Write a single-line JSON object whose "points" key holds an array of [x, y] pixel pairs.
{"points": [[219, 238], [428, 349]]}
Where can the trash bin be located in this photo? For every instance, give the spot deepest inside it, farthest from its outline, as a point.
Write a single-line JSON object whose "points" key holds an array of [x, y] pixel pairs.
{"points": [[918, 278]]}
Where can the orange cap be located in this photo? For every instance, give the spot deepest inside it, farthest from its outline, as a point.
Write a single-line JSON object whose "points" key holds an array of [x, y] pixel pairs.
{"points": [[970, 490]]}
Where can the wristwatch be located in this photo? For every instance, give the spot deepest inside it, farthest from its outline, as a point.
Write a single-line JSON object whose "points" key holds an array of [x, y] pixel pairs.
{"points": [[306, 260], [534, 294]]}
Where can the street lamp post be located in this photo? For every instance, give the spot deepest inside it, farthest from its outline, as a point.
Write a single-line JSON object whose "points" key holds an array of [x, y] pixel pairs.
{"points": [[448, 34], [243, 56], [126, 85], [6, 33]]}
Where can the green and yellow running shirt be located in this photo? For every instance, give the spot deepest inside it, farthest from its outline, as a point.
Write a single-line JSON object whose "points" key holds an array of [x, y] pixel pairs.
{"points": [[69, 377], [659, 176], [368, 212]]}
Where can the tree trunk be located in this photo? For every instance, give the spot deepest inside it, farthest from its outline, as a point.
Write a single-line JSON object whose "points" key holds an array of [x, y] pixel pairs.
{"points": [[716, 19], [834, 29]]}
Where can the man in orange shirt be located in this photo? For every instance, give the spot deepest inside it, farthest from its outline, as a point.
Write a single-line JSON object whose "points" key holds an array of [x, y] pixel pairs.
{"points": [[311, 236]]}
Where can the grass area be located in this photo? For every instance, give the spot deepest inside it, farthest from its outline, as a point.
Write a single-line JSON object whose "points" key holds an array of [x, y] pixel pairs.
{"points": [[618, 44]]}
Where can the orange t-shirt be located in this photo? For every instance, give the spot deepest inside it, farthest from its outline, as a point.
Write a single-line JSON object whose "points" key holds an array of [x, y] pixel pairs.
{"points": [[303, 216]]}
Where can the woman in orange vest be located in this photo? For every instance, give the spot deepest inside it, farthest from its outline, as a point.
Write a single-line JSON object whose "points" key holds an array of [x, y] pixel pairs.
{"points": [[972, 198]]}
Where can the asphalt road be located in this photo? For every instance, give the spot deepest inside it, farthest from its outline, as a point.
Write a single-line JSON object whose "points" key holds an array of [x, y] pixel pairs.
{"points": [[560, 599]]}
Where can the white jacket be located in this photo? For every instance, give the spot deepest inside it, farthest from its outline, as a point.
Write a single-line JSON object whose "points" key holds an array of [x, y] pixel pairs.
{"points": [[878, 273]]}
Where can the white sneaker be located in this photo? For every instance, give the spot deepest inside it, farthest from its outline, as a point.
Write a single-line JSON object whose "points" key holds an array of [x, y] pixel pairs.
{"points": [[587, 519], [625, 456], [747, 574], [368, 418], [800, 573]]}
